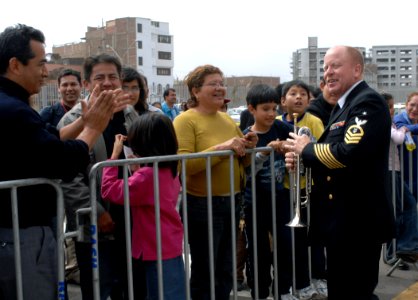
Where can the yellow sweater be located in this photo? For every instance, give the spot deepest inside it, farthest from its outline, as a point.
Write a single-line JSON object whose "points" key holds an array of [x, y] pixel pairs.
{"points": [[198, 132], [317, 128]]}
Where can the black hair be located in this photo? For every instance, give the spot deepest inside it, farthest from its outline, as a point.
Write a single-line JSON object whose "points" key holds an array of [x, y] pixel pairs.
{"points": [[15, 42], [92, 61], [386, 96], [130, 74], [262, 93], [298, 83], [167, 91], [153, 134], [68, 72]]}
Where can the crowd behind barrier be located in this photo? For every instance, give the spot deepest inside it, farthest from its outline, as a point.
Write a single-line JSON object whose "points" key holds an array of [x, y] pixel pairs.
{"points": [[388, 257]]}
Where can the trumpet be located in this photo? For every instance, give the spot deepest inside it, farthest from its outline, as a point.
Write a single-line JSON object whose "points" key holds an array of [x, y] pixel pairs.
{"points": [[296, 174]]}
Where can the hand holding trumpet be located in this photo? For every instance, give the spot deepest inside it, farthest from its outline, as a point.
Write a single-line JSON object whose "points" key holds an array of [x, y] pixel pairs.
{"points": [[294, 146]]}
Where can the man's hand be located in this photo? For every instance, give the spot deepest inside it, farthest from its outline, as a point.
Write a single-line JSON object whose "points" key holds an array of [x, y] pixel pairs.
{"points": [[297, 142], [121, 100], [99, 110]]}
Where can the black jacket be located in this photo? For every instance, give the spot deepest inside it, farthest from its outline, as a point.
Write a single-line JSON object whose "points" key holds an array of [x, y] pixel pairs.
{"points": [[29, 150], [351, 198], [320, 108]]}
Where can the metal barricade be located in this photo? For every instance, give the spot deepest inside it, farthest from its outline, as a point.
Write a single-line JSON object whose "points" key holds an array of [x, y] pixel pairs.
{"points": [[126, 163], [389, 250], [13, 185]]}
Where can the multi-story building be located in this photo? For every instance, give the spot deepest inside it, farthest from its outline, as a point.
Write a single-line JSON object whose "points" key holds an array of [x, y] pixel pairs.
{"points": [[396, 69], [387, 68], [140, 43]]}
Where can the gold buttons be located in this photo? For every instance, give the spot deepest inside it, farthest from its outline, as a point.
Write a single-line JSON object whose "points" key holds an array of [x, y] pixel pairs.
{"points": [[328, 178], [330, 196]]}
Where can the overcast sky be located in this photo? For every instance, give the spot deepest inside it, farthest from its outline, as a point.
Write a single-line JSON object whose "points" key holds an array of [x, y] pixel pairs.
{"points": [[241, 37]]}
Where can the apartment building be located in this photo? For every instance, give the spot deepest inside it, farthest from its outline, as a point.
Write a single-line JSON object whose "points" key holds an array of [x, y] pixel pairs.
{"points": [[396, 69], [140, 43]]}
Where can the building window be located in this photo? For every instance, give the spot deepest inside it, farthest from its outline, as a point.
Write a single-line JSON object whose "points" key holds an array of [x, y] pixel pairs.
{"points": [[139, 44], [140, 62], [164, 55], [139, 27], [159, 89], [166, 39], [382, 60], [164, 71], [155, 24]]}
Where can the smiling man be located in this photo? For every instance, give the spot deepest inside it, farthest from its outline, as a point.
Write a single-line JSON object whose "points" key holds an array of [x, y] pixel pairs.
{"points": [[351, 202]]}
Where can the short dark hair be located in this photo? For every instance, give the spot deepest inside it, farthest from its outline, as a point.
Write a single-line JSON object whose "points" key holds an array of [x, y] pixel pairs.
{"points": [[15, 42], [386, 96], [69, 72], [298, 83], [153, 134], [262, 93], [92, 61], [167, 91]]}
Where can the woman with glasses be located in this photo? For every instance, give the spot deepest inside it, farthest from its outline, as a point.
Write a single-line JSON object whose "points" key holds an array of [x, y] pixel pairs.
{"points": [[136, 85], [202, 128]]}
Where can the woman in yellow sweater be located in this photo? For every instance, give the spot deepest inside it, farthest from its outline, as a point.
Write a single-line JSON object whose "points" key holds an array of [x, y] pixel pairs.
{"points": [[202, 128]]}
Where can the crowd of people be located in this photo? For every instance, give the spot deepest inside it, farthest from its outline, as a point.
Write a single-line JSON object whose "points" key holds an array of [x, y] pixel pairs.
{"points": [[349, 152]]}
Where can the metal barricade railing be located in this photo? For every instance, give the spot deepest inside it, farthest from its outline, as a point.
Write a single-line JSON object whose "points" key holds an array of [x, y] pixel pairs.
{"points": [[389, 250], [126, 163], [13, 185]]}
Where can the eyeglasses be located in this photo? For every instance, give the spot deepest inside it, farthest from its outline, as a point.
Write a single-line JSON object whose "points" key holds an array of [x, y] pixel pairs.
{"points": [[133, 89], [214, 85]]}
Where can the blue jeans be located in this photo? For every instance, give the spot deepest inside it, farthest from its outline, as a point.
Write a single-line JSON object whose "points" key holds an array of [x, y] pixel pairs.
{"points": [[197, 215], [406, 218], [173, 279]]}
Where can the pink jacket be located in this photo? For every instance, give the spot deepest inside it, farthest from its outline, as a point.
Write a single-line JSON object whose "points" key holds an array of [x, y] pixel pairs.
{"points": [[141, 191]]}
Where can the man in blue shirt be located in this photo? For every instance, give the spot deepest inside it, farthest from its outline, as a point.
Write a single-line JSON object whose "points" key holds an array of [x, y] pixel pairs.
{"points": [[168, 106]]}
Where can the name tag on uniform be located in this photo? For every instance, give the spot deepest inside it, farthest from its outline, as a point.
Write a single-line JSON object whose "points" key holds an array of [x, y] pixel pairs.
{"points": [[337, 125]]}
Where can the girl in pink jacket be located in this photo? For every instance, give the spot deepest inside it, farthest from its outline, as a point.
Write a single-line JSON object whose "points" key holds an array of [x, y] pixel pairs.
{"points": [[151, 135]]}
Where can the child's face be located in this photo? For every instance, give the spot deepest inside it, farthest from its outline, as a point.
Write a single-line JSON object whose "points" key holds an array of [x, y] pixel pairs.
{"points": [[296, 100], [264, 114]]}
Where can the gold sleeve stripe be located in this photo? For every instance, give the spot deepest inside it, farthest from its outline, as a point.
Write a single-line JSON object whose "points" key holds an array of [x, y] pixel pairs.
{"points": [[326, 157], [323, 152]]}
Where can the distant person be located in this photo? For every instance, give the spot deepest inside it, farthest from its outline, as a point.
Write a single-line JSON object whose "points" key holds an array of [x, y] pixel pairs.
{"points": [[151, 135], [35, 151], [246, 119], [224, 107], [409, 119], [169, 107], [69, 87], [202, 128], [184, 106], [350, 172], [157, 104], [134, 84], [406, 211]]}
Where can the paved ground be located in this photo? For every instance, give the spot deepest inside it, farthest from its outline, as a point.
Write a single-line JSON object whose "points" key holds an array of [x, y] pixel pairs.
{"points": [[400, 285]]}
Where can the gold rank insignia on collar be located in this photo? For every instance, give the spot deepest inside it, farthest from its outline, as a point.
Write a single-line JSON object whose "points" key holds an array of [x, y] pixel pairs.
{"points": [[355, 132]]}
